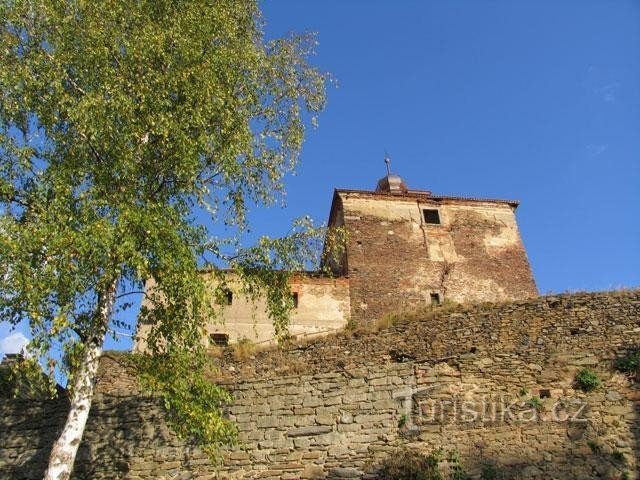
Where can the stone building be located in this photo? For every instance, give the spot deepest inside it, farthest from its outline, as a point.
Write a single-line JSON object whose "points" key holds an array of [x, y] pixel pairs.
{"points": [[495, 384], [321, 306], [409, 248], [405, 249]]}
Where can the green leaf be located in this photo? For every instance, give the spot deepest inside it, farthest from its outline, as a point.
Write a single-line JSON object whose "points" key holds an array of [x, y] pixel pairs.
{"points": [[130, 134]]}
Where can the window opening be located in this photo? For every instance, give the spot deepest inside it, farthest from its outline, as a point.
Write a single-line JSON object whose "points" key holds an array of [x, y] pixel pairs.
{"points": [[435, 299], [431, 216], [220, 339]]}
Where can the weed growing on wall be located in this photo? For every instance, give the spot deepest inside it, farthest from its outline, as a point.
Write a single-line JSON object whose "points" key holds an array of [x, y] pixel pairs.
{"points": [[587, 380], [630, 363], [412, 465]]}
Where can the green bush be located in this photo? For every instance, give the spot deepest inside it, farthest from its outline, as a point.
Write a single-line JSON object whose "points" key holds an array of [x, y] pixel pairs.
{"points": [[489, 472], [403, 421], [535, 402], [409, 465], [618, 456], [587, 380], [630, 363], [456, 470], [594, 446]]}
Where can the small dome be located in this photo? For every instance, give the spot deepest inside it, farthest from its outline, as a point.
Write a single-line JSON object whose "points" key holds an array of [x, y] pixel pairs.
{"points": [[391, 184]]}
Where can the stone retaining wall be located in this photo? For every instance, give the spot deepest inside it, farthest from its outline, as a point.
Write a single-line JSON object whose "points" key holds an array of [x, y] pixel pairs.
{"points": [[493, 382]]}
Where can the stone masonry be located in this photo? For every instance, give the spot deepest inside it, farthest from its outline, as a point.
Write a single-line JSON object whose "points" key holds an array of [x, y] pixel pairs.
{"points": [[405, 249], [496, 382], [396, 257], [322, 307]]}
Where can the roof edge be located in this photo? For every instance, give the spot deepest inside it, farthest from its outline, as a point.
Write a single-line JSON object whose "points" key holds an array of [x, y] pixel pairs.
{"points": [[424, 194]]}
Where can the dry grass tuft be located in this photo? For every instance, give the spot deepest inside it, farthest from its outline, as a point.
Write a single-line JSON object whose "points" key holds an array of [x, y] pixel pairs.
{"points": [[216, 351], [243, 349], [385, 322], [390, 319]]}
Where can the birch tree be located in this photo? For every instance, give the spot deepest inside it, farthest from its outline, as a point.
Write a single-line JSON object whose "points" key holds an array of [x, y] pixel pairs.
{"points": [[134, 137]]}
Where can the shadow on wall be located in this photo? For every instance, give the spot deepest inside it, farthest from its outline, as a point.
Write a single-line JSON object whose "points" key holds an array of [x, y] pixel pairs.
{"points": [[127, 438], [598, 443], [119, 430], [564, 462], [29, 429], [337, 423], [598, 423]]}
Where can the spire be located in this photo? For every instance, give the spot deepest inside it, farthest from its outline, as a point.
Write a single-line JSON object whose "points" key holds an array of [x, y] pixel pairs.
{"points": [[387, 160], [391, 183]]}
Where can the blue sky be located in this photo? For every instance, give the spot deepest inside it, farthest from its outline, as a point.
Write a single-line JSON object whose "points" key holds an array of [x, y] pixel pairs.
{"points": [[537, 101]]}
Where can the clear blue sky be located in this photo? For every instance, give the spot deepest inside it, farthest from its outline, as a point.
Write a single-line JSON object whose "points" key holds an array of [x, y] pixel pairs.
{"points": [[533, 100]]}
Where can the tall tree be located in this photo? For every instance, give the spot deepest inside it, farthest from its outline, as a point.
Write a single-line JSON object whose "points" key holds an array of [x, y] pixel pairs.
{"points": [[131, 132]]}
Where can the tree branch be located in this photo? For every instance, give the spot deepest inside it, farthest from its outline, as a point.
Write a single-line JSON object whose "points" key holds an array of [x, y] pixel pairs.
{"points": [[133, 292], [121, 334]]}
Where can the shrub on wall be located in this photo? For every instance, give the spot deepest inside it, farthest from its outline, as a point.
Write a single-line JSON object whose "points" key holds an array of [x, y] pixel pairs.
{"points": [[630, 363], [587, 380], [535, 402], [489, 472], [412, 465]]}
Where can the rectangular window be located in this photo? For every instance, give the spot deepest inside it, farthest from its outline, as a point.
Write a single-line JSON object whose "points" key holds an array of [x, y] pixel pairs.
{"points": [[224, 297], [431, 215], [435, 299], [219, 339], [294, 297]]}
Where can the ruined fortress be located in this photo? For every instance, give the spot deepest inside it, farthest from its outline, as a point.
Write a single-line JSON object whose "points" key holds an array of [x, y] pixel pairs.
{"points": [[496, 383], [405, 249], [492, 375]]}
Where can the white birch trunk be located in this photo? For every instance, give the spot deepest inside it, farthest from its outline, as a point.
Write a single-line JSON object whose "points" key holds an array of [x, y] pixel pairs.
{"points": [[63, 453]]}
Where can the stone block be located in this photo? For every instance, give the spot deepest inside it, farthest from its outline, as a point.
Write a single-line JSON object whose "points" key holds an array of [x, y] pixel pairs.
{"points": [[308, 431]]}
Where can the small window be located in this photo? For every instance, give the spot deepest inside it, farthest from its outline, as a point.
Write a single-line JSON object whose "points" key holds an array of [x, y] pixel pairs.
{"points": [[435, 299], [294, 298], [220, 339], [545, 393], [224, 297], [431, 215]]}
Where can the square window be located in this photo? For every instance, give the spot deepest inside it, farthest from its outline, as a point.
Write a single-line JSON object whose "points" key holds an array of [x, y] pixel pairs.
{"points": [[431, 215]]}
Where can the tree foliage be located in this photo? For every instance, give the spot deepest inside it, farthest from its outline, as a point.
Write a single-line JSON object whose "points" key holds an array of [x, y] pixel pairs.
{"points": [[134, 137]]}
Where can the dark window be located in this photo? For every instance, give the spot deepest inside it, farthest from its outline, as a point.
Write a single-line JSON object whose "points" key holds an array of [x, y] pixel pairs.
{"points": [[431, 215], [294, 298], [220, 339], [544, 393], [435, 299], [224, 297]]}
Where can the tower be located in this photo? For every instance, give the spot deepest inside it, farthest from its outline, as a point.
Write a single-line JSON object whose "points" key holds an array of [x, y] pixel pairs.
{"points": [[409, 248]]}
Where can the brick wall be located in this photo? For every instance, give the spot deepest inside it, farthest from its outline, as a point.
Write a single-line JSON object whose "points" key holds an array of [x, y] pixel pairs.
{"points": [[364, 394], [396, 260]]}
